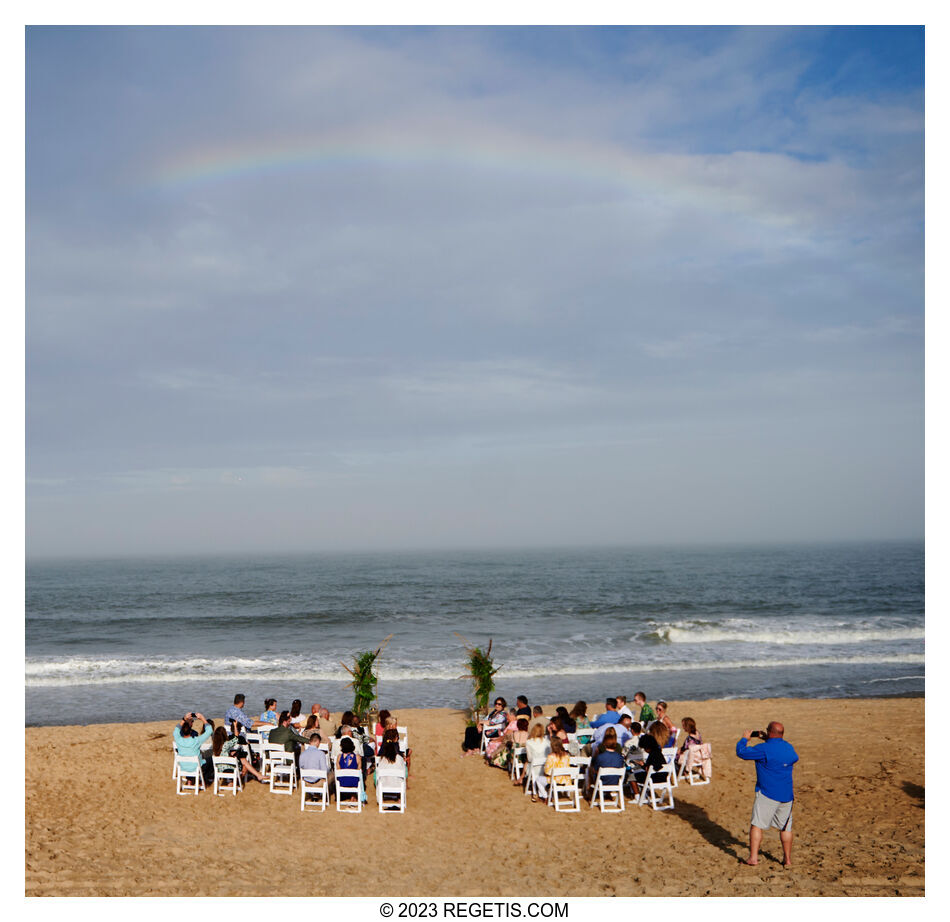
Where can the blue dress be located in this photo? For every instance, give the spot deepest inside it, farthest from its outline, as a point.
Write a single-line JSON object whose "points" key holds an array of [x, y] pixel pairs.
{"points": [[348, 761]]}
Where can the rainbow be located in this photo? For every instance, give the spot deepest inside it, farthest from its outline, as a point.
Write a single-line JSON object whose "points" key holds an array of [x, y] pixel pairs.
{"points": [[611, 167], [723, 184]]}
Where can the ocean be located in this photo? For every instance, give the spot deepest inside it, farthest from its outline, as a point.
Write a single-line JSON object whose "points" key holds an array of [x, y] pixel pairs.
{"points": [[148, 639]]}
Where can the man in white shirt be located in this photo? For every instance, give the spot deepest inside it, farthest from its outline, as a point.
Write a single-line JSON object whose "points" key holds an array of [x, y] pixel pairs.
{"points": [[622, 706]]}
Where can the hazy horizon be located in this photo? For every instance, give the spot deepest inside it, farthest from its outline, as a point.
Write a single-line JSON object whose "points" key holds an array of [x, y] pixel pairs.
{"points": [[299, 289]]}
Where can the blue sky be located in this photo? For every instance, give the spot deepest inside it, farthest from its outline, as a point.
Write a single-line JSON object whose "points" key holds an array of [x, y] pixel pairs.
{"points": [[294, 289]]}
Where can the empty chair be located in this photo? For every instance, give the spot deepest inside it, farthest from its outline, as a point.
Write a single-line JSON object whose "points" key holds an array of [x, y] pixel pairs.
{"points": [[315, 785], [696, 764], [564, 795], [657, 783], [349, 797], [608, 790], [227, 776]]}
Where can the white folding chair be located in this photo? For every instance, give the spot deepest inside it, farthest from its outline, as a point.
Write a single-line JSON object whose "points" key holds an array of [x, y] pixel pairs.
{"points": [[696, 764], [569, 793], [572, 746], [488, 734], [188, 776], [653, 787], [403, 737], [389, 782], [354, 805], [254, 743], [283, 771], [609, 783], [227, 776], [315, 782], [534, 772], [516, 764], [669, 753], [174, 759]]}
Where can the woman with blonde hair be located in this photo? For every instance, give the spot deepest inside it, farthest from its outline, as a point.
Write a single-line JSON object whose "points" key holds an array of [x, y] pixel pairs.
{"points": [[537, 746], [559, 758]]}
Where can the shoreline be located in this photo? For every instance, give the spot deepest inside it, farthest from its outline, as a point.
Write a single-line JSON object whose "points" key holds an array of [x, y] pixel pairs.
{"points": [[592, 708], [103, 819]]}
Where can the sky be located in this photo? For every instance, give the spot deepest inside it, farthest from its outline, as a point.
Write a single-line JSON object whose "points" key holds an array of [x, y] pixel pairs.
{"points": [[306, 289]]}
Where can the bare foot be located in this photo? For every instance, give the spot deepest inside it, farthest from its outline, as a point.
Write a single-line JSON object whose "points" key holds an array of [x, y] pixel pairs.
{"points": [[786, 864], [749, 862]]}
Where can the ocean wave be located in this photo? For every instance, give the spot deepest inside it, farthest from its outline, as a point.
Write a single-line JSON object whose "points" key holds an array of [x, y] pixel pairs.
{"points": [[196, 669], [693, 633]]}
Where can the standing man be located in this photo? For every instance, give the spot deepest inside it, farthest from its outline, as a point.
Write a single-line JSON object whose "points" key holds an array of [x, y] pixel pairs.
{"points": [[774, 760]]}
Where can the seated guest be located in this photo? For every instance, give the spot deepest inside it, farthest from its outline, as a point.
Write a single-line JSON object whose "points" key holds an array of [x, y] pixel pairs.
{"points": [[497, 720], [188, 741], [622, 706], [515, 735], [556, 729], [494, 748], [631, 748], [538, 718], [608, 756], [559, 758], [321, 713], [222, 746], [646, 712], [567, 722], [621, 730], [390, 758], [285, 734], [652, 743], [693, 737], [610, 715], [380, 727], [269, 715], [537, 747], [663, 718], [313, 758], [581, 724], [521, 705], [237, 719], [312, 724], [296, 718], [349, 760]]}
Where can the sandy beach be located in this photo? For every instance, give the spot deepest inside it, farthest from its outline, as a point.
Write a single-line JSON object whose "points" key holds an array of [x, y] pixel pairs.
{"points": [[103, 819]]}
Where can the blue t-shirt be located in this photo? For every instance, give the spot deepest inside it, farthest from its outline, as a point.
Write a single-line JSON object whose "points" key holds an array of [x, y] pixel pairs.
{"points": [[608, 717], [773, 759], [605, 760]]}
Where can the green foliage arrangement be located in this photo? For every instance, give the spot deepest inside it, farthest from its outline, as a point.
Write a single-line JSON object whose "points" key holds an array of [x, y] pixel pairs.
{"points": [[365, 679], [481, 671]]}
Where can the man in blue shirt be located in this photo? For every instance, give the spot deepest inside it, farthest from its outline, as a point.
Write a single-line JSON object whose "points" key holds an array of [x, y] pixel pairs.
{"points": [[235, 714], [610, 716], [774, 796]]}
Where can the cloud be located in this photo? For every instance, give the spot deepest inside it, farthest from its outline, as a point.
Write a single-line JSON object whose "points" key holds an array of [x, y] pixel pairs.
{"points": [[306, 256]]}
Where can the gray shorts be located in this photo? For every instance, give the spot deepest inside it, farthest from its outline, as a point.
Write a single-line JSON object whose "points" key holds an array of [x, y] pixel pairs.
{"points": [[767, 812]]}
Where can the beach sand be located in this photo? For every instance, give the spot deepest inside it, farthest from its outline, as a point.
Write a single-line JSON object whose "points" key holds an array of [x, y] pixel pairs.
{"points": [[103, 819]]}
